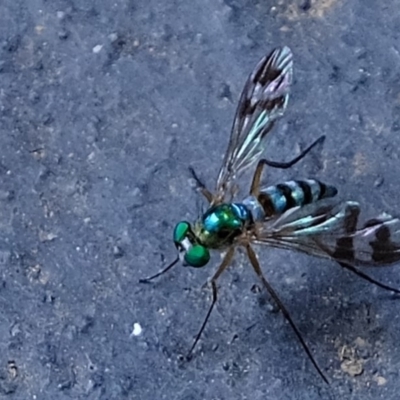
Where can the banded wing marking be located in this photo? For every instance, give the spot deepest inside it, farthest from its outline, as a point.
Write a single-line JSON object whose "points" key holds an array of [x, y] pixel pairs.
{"points": [[262, 102], [329, 229]]}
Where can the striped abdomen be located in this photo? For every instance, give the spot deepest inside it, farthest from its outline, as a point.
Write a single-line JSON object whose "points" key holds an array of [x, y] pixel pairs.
{"points": [[277, 199]]}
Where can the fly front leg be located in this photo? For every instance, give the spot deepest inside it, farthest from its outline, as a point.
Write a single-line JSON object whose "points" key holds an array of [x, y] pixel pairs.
{"points": [[225, 263], [255, 184], [201, 187]]}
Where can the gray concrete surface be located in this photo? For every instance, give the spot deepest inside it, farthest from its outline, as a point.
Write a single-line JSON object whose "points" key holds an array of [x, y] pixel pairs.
{"points": [[103, 106]]}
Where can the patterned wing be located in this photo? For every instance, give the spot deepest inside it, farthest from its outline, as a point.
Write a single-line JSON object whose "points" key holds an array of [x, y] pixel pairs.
{"points": [[263, 101], [329, 229]]}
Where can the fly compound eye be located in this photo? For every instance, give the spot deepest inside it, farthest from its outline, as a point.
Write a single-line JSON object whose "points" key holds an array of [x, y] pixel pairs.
{"points": [[180, 233], [192, 254], [197, 256]]}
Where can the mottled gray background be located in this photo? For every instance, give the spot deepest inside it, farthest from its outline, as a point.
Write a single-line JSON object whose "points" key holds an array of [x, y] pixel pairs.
{"points": [[103, 106]]}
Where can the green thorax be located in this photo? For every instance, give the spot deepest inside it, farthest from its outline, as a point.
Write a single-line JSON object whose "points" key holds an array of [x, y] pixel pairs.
{"points": [[221, 224]]}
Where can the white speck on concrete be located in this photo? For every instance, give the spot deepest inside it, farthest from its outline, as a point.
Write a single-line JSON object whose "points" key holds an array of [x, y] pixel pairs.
{"points": [[137, 329], [97, 49]]}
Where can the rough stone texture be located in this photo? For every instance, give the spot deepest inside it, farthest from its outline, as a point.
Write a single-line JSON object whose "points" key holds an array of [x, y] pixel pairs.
{"points": [[103, 106]]}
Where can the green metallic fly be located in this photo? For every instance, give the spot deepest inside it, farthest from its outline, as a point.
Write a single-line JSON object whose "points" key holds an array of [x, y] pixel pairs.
{"points": [[299, 215]]}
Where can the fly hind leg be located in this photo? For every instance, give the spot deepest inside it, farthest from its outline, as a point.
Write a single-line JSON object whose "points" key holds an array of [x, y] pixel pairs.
{"points": [[255, 184]]}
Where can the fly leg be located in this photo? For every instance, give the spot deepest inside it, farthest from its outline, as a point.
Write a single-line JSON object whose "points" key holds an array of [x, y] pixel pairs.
{"points": [[256, 266], [162, 272], [255, 184], [351, 268], [367, 277], [200, 186], [225, 263]]}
